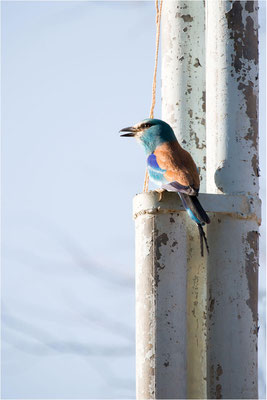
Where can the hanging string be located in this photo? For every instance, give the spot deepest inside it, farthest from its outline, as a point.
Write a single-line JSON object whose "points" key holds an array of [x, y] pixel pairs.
{"points": [[154, 86]]}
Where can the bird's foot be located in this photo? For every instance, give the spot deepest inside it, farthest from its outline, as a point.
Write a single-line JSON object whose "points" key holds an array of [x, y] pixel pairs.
{"points": [[160, 192]]}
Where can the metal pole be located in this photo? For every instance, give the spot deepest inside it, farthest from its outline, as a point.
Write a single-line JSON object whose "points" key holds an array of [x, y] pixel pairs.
{"points": [[183, 76], [232, 168], [160, 297], [183, 107], [224, 366]]}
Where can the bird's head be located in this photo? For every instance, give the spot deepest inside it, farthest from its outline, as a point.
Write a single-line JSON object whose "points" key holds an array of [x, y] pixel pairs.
{"points": [[150, 133]]}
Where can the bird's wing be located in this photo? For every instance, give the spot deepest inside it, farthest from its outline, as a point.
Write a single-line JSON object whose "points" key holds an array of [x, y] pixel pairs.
{"points": [[179, 166], [153, 164], [176, 187]]}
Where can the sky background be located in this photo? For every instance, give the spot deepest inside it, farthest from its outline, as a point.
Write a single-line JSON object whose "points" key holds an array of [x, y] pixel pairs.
{"points": [[73, 75]]}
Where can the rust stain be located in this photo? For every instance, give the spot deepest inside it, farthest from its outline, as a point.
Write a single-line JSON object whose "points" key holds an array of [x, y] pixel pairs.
{"points": [[159, 241], [251, 111], [203, 98], [249, 6], [166, 364], [197, 63], [211, 304], [203, 121], [251, 266], [219, 372], [189, 89], [255, 165], [245, 37], [218, 391], [250, 49], [187, 18], [193, 136]]}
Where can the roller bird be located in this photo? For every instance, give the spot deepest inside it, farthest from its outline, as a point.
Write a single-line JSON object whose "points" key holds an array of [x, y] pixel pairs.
{"points": [[171, 167]]}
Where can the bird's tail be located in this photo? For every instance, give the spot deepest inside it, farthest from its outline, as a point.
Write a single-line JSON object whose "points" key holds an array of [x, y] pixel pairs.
{"points": [[194, 209], [201, 237], [198, 214]]}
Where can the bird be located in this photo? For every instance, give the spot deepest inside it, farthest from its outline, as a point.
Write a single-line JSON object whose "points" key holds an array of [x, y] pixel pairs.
{"points": [[171, 167]]}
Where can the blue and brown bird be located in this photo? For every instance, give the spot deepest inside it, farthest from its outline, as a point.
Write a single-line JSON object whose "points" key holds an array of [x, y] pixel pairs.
{"points": [[171, 167]]}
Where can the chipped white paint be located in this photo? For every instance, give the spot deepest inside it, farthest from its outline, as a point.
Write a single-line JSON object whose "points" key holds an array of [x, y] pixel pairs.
{"points": [[183, 106], [238, 206], [183, 76], [232, 168], [232, 97], [225, 364], [160, 299]]}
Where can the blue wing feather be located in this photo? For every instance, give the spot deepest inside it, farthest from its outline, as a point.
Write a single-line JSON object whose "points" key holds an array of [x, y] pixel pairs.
{"points": [[153, 164], [156, 173]]}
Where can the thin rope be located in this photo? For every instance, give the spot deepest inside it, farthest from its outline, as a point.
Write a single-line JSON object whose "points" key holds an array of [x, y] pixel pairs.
{"points": [[154, 86]]}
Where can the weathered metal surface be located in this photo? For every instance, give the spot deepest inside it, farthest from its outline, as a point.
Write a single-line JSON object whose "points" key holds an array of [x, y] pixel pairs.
{"points": [[232, 317], [183, 106], [183, 76], [232, 97], [220, 360], [161, 276], [232, 168], [238, 206], [196, 312], [160, 301]]}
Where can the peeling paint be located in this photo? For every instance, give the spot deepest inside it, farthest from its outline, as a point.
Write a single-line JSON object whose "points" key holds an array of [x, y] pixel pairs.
{"points": [[211, 304], [255, 165], [197, 63], [251, 267], [185, 17], [232, 132], [166, 364], [219, 372], [203, 98], [194, 137], [245, 40], [184, 82], [249, 6], [218, 391], [159, 241], [251, 111]]}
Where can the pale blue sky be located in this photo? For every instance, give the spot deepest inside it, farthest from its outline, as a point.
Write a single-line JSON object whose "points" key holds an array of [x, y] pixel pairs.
{"points": [[73, 74]]}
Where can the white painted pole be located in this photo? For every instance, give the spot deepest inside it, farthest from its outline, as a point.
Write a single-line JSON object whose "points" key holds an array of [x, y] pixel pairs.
{"points": [[183, 107], [232, 168], [160, 297], [183, 76], [224, 366]]}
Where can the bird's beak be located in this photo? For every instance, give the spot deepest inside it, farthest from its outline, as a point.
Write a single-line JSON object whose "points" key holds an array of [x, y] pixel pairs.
{"points": [[131, 131]]}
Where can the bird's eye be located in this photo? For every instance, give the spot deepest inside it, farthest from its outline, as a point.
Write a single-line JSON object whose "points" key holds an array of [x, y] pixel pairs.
{"points": [[146, 126]]}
